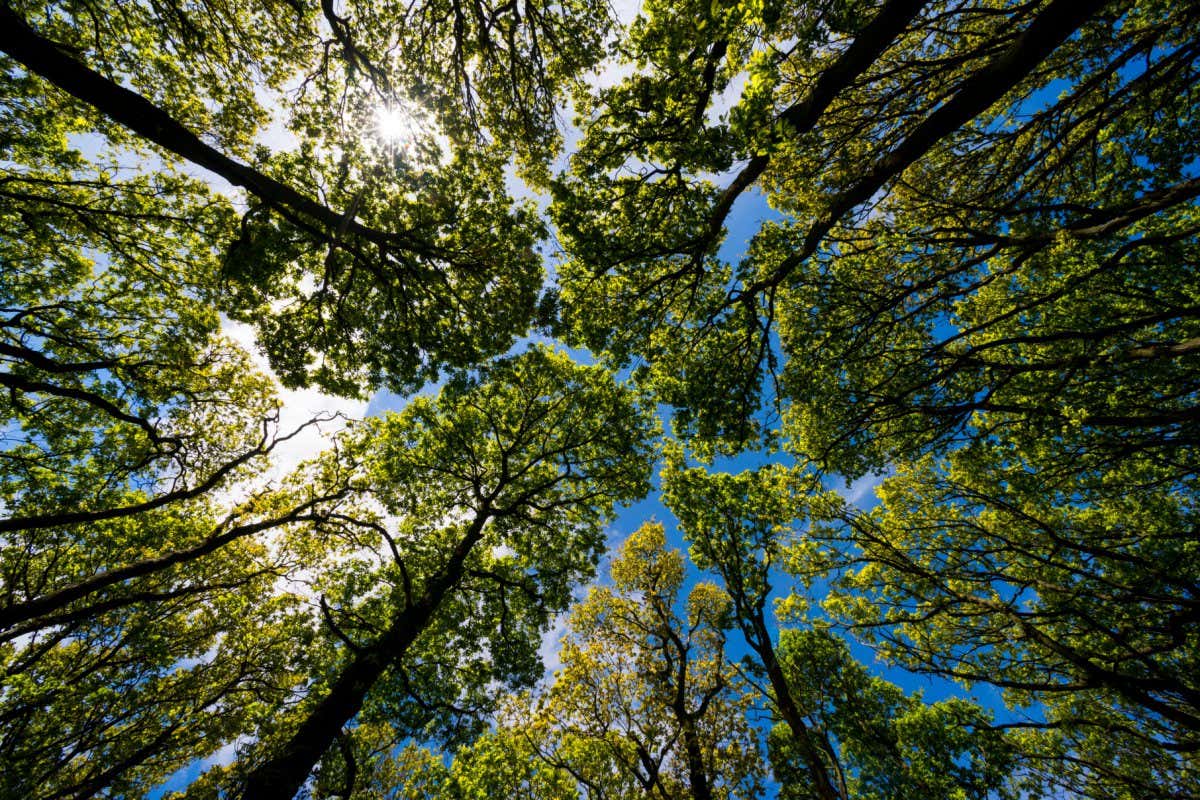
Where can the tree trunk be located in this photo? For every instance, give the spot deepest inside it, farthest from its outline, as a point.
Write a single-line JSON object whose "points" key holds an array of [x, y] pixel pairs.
{"points": [[44, 58], [1053, 25], [785, 704], [281, 776]]}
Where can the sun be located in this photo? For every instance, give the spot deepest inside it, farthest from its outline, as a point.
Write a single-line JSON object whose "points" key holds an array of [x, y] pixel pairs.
{"points": [[405, 130], [396, 124]]}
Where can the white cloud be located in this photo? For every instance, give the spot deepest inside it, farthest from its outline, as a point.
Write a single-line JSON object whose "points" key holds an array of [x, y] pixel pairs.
{"points": [[297, 407], [187, 775], [552, 642], [861, 492]]}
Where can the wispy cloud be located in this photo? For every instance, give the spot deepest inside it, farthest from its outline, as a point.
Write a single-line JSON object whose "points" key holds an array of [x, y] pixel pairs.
{"points": [[861, 492]]}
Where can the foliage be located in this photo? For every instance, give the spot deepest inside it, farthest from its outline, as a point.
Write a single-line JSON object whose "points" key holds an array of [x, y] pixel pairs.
{"points": [[467, 520], [124, 650], [362, 261], [886, 324], [979, 277], [1068, 591], [972, 282], [840, 732], [645, 703], [891, 745]]}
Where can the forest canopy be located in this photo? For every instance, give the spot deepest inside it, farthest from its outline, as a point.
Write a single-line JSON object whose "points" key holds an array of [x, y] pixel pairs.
{"points": [[719, 259]]}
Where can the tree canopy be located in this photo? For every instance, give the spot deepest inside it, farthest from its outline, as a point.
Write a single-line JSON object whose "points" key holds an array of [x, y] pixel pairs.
{"points": [[948, 250]]}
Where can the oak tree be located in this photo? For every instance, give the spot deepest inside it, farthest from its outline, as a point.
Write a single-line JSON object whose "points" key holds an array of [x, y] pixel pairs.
{"points": [[363, 261], [976, 282], [840, 732], [476, 512]]}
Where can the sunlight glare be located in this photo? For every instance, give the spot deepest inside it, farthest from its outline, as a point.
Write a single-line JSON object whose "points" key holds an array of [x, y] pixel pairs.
{"points": [[396, 124], [405, 130]]}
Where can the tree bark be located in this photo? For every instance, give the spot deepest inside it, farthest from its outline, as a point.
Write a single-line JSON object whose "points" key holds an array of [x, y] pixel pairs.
{"points": [[1049, 29], [867, 46], [61, 598], [282, 775], [785, 704], [44, 58]]}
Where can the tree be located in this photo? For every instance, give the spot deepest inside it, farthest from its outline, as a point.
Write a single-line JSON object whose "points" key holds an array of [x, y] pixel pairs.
{"points": [[840, 732], [410, 773], [645, 703], [979, 279], [489, 502], [117, 383], [737, 525], [115, 701], [123, 670], [884, 278], [362, 263], [976, 283], [506, 762], [893, 745], [132, 434], [1074, 592], [135, 535]]}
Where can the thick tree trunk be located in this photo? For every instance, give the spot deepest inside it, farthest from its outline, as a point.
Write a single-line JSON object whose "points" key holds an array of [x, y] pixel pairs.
{"points": [[1049, 29], [823, 782], [697, 774], [281, 776], [44, 58], [801, 117]]}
